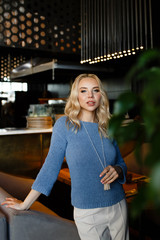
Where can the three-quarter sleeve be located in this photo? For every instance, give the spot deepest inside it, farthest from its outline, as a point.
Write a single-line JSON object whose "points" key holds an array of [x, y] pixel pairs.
{"points": [[53, 162]]}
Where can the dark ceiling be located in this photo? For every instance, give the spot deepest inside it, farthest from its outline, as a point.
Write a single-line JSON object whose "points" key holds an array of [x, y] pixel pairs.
{"points": [[68, 63]]}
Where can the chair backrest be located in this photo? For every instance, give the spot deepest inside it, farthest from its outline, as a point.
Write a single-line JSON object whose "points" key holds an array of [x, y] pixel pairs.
{"points": [[19, 187]]}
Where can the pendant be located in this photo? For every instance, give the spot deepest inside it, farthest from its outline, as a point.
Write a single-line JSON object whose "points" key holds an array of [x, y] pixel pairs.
{"points": [[106, 186]]}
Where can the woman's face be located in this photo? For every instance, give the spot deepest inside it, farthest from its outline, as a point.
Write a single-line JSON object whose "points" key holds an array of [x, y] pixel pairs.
{"points": [[89, 95]]}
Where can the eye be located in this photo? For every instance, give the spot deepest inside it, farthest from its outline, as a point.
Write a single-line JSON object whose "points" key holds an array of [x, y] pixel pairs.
{"points": [[96, 90], [83, 91]]}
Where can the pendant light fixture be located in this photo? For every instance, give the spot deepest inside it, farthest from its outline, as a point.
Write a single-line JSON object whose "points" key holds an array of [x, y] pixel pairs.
{"points": [[112, 29]]}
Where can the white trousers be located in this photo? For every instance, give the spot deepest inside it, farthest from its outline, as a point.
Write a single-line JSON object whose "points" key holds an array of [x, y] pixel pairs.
{"points": [[109, 223]]}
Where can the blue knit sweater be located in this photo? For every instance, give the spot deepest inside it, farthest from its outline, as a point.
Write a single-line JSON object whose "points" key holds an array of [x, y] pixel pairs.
{"points": [[86, 189]]}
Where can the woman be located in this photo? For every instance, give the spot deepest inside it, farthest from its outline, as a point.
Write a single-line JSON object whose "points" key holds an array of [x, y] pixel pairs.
{"points": [[96, 167]]}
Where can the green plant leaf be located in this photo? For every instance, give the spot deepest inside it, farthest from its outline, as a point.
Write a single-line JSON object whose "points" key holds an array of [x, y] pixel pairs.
{"points": [[124, 103], [146, 75], [114, 124], [145, 61], [155, 177]]}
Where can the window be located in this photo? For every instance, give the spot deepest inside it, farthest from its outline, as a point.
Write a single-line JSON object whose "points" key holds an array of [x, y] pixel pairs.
{"points": [[8, 89]]}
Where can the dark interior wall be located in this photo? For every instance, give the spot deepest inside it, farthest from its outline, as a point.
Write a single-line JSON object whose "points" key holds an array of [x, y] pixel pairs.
{"points": [[60, 90], [155, 24], [113, 86]]}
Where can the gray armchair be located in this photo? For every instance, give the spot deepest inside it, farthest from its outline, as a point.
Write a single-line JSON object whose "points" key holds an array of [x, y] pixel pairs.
{"points": [[3, 227], [38, 223]]}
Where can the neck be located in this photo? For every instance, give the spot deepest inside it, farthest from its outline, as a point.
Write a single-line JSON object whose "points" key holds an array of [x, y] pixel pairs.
{"points": [[89, 117]]}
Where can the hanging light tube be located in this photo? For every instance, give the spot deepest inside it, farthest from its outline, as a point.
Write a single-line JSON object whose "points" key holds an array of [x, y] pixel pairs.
{"points": [[92, 29], [89, 31], [145, 24], [108, 29], [95, 30], [136, 24], [128, 27], [132, 26], [101, 29], [83, 23], [98, 30], [114, 28], [114, 32], [119, 28], [150, 24], [104, 29], [124, 26], [140, 25]]}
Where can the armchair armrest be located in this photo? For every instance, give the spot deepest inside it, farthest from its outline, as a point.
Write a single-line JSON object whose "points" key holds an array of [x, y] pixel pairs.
{"points": [[31, 225], [37, 223]]}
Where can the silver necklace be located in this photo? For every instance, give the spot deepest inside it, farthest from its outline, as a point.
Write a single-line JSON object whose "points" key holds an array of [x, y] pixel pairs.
{"points": [[103, 164]]}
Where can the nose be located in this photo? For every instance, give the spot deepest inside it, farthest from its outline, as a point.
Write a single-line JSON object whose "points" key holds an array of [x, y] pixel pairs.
{"points": [[90, 94]]}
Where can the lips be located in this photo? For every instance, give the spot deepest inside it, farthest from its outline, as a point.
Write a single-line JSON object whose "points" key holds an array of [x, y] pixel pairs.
{"points": [[91, 103]]}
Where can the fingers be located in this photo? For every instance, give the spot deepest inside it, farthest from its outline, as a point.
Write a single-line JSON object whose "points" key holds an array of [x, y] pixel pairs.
{"points": [[105, 170], [11, 203], [110, 175], [8, 200]]}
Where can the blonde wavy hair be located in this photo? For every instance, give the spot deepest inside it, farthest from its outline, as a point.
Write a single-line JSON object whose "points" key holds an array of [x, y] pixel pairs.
{"points": [[73, 108]]}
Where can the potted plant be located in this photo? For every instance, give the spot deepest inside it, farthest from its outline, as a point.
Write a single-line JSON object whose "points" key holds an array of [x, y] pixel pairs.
{"points": [[145, 75]]}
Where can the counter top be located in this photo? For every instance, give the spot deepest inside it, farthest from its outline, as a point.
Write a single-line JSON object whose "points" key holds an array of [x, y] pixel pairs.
{"points": [[18, 131]]}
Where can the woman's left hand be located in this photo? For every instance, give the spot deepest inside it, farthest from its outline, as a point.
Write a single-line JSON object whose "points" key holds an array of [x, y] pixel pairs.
{"points": [[111, 173]]}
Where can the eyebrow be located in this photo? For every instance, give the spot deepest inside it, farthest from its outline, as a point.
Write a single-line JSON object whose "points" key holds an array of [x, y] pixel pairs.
{"points": [[93, 87]]}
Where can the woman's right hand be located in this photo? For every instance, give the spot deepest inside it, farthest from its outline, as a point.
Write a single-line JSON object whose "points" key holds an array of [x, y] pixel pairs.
{"points": [[18, 204], [14, 203]]}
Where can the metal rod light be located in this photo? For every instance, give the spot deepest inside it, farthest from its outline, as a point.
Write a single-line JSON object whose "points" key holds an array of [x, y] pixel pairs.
{"points": [[112, 29]]}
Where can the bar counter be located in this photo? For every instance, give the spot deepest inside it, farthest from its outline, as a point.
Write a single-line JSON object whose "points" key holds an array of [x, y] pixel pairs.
{"points": [[17, 131], [23, 151]]}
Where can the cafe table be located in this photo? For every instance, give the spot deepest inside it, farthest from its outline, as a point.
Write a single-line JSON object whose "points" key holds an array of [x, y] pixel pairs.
{"points": [[130, 187]]}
